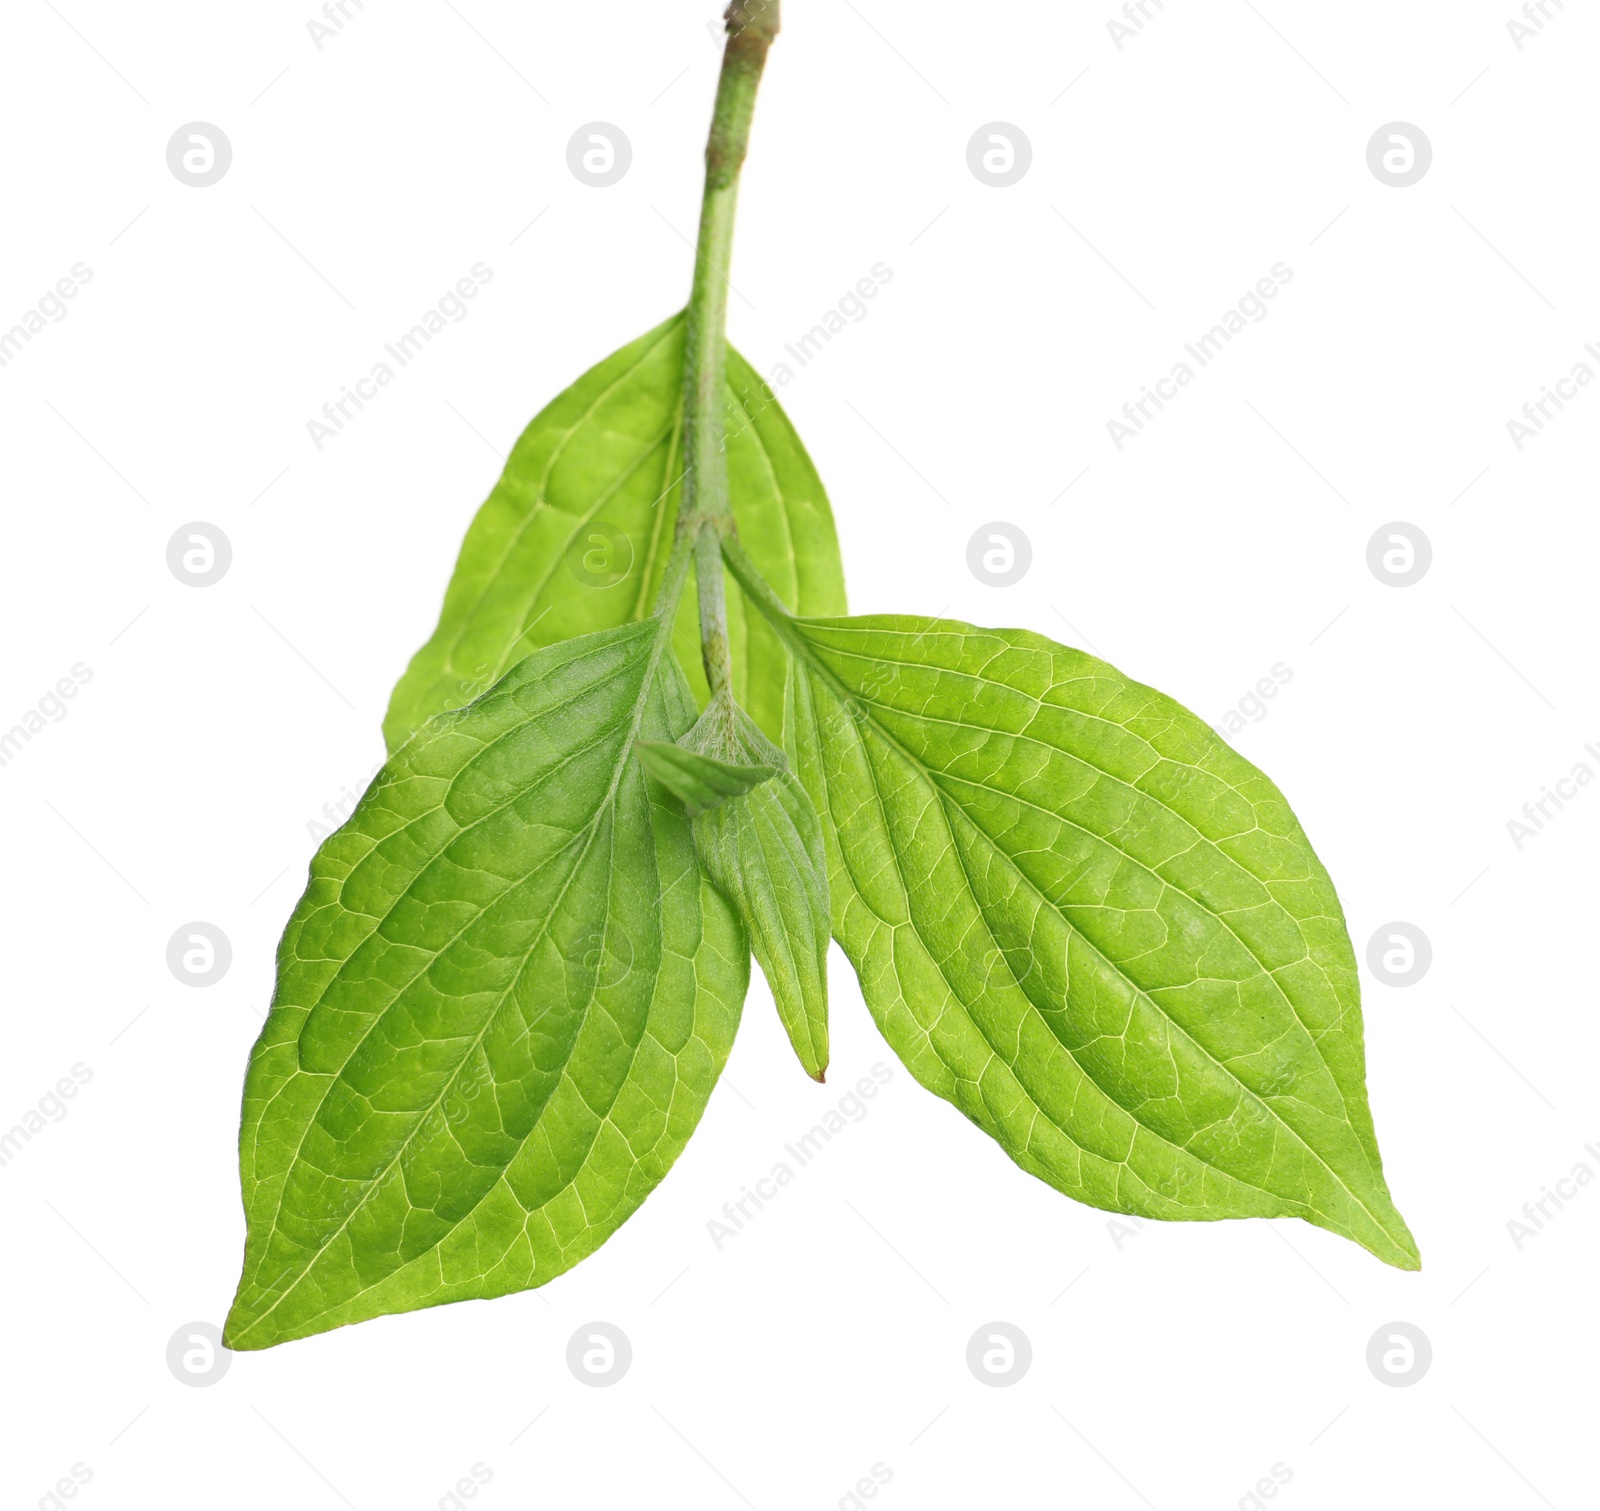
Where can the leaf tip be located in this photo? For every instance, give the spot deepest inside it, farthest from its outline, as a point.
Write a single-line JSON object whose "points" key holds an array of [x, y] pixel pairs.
{"points": [[232, 1329], [1395, 1247], [1409, 1256], [245, 1317]]}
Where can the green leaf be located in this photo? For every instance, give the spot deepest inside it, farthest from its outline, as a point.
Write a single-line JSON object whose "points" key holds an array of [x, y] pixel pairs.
{"points": [[1088, 923], [575, 535], [502, 1005], [699, 781], [764, 852]]}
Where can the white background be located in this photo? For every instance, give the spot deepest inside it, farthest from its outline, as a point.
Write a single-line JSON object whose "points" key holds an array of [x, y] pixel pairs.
{"points": [[1229, 536]]}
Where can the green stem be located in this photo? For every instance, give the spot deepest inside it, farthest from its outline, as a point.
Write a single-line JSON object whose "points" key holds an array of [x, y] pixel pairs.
{"points": [[706, 514], [673, 576], [758, 590], [714, 652], [771, 608]]}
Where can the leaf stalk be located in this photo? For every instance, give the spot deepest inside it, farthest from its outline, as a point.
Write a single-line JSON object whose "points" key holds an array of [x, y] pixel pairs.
{"points": [[706, 515]]}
